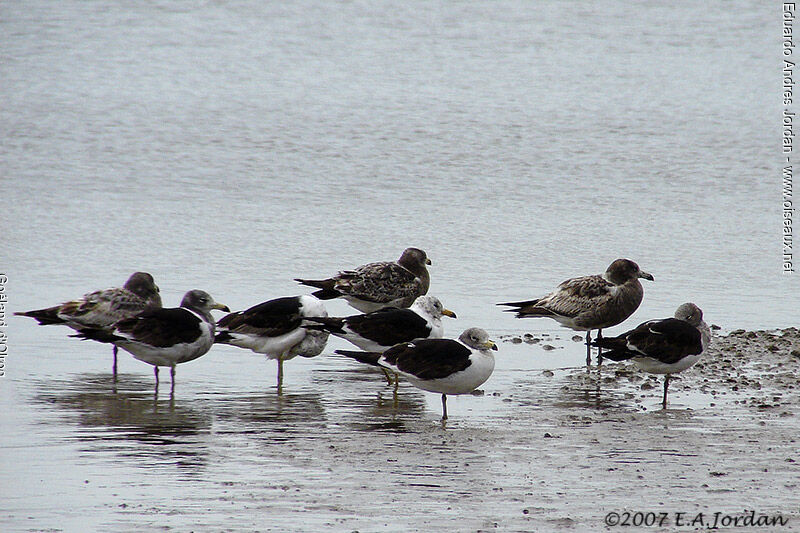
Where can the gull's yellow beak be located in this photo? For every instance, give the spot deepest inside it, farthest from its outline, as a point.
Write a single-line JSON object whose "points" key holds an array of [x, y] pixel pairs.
{"points": [[447, 312], [221, 307]]}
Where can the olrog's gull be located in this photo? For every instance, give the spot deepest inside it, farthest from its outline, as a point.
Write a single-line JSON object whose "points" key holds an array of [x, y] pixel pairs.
{"points": [[445, 366], [275, 328], [165, 337], [377, 285], [100, 309], [382, 329], [666, 346], [590, 302]]}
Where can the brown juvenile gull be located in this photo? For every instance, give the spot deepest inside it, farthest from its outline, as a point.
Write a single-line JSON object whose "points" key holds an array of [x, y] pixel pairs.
{"points": [[445, 366], [275, 328], [377, 285], [666, 346], [100, 309], [590, 302], [165, 337]]}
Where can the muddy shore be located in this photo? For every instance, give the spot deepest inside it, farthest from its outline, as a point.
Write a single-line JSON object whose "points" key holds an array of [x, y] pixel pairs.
{"points": [[726, 446], [541, 448]]}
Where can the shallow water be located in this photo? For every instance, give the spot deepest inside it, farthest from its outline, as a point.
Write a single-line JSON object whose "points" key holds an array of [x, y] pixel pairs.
{"points": [[234, 146]]}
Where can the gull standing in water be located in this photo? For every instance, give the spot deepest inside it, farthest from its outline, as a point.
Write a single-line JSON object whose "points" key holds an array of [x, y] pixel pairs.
{"points": [[379, 330], [445, 366], [100, 309], [665, 346], [590, 302], [275, 328], [165, 337]]}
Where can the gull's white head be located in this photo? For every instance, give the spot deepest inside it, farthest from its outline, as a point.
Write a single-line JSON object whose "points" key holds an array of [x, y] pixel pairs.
{"points": [[431, 306]]}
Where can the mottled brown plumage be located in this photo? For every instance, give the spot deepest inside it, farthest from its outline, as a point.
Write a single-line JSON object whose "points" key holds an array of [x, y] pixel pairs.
{"points": [[103, 308], [590, 302], [377, 285]]}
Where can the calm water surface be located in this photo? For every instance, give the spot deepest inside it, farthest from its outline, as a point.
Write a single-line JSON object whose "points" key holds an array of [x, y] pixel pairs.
{"points": [[232, 146]]}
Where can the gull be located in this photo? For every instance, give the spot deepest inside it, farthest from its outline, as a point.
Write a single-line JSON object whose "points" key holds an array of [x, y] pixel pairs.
{"points": [[275, 328], [102, 308], [665, 346], [590, 302], [165, 337], [377, 285], [444, 366], [379, 330]]}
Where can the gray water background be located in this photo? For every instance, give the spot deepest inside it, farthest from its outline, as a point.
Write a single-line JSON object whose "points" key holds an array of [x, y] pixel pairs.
{"points": [[232, 146]]}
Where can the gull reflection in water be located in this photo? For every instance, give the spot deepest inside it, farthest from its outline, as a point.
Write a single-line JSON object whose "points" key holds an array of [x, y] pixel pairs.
{"points": [[364, 402], [124, 419]]}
